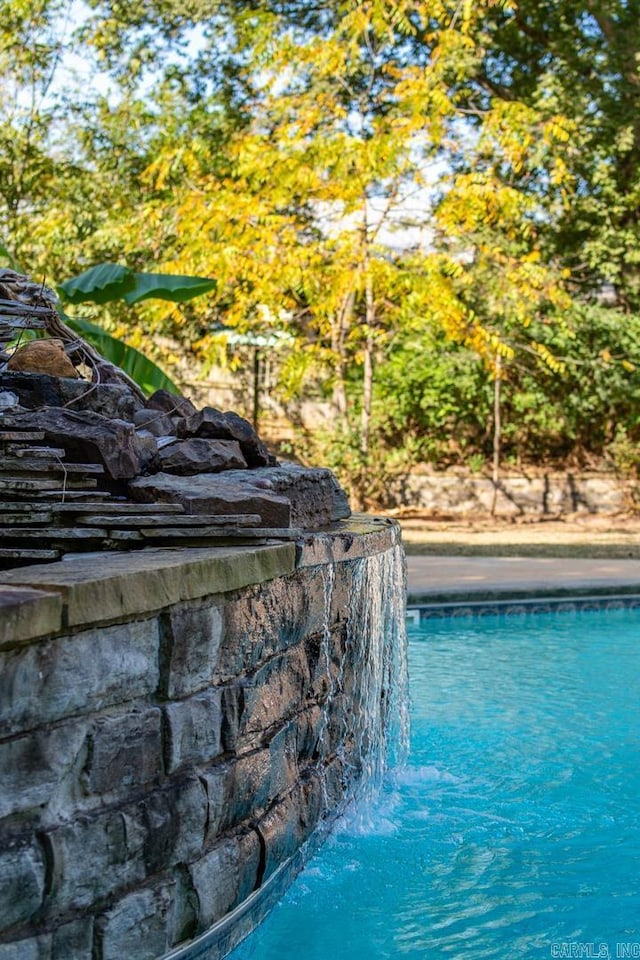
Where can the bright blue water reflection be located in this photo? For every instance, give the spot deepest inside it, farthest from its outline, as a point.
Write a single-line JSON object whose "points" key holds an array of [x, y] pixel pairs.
{"points": [[514, 831]]}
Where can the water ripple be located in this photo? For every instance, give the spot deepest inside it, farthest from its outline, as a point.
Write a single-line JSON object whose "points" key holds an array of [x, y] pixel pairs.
{"points": [[515, 825]]}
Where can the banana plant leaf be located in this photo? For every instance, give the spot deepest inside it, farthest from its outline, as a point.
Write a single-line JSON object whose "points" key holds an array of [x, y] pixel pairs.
{"points": [[112, 281], [99, 284], [165, 286]]}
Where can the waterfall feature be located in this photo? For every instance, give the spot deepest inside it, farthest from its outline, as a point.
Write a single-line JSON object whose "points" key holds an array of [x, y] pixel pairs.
{"points": [[365, 717], [380, 669]]}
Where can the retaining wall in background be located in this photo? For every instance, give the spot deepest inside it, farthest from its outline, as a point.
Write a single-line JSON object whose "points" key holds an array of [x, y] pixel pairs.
{"points": [[550, 494]]}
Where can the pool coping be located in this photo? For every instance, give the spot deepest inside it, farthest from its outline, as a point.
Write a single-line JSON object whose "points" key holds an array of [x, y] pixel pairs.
{"points": [[448, 579]]}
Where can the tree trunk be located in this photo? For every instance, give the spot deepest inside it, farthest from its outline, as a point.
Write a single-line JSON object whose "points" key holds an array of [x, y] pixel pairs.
{"points": [[256, 389], [367, 377], [497, 432], [338, 327]]}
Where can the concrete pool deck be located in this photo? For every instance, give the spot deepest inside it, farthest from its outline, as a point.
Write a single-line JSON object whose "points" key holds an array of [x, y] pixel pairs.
{"points": [[438, 579]]}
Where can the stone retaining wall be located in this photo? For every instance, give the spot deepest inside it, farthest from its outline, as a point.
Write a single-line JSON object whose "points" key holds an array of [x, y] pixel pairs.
{"points": [[174, 725], [550, 494]]}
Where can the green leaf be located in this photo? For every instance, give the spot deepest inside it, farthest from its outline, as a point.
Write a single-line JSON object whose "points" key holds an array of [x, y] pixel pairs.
{"points": [[112, 281], [146, 374], [165, 286], [99, 284]]}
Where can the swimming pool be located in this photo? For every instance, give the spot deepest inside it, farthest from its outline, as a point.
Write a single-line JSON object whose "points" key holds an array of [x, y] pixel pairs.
{"points": [[514, 828]]}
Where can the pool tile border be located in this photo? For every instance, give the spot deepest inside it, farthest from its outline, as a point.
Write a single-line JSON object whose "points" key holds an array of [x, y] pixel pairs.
{"points": [[418, 612]]}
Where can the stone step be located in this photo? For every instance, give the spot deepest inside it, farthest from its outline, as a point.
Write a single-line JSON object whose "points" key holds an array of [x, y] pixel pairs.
{"points": [[23, 553], [92, 504], [46, 452], [22, 485], [54, 533], [19, 465], [48, 490], [120, 508], [44, 487], [213, 533], [148, 520], [31, 517]]}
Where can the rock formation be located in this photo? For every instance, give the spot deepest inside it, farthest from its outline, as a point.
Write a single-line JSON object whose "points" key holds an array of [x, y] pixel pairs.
{"points": [[208, 462], [100, 447]]}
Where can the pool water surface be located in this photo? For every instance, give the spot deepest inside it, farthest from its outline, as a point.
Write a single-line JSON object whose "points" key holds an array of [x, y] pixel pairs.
{"points": [[514, 829]]}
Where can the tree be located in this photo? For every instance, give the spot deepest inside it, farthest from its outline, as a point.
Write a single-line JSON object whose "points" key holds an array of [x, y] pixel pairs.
{"points": [[581, 59], [348, 107], [273, 145], [30, 46], [292, 217]]}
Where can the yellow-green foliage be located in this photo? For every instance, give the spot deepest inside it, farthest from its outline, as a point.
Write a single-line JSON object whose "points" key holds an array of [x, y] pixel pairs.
{"points": [[281, 149]]}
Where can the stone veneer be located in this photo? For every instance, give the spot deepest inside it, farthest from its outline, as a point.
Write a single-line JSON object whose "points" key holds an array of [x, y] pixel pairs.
{"points": [[174, 726]]}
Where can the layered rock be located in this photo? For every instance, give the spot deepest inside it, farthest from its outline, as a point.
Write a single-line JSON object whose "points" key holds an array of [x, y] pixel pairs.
{"points": [[208, 494], [165, 450], [229, 426], [91, 438]]}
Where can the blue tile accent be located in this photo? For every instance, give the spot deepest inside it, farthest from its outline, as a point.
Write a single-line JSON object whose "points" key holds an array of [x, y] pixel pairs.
{"points": [[509, 608]]}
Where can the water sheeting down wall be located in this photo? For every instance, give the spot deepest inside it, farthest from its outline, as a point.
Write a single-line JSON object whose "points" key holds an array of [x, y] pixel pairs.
{"points": [[180, 729]]}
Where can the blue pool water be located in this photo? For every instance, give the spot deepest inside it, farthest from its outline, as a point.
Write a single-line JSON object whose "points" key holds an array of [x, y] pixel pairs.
{"points": [[514, 829]]}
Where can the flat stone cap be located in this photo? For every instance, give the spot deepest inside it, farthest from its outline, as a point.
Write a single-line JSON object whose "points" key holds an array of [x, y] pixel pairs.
{"points": [[110, 586], [26, 613], [86, 588]]}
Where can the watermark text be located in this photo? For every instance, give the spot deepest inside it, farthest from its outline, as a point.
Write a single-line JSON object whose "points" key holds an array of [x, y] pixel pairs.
{"points": [[592, 950]]}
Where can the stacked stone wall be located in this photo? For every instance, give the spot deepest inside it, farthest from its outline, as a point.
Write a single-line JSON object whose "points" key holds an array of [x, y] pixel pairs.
{"points": [[550, 494], [158, 768]]}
